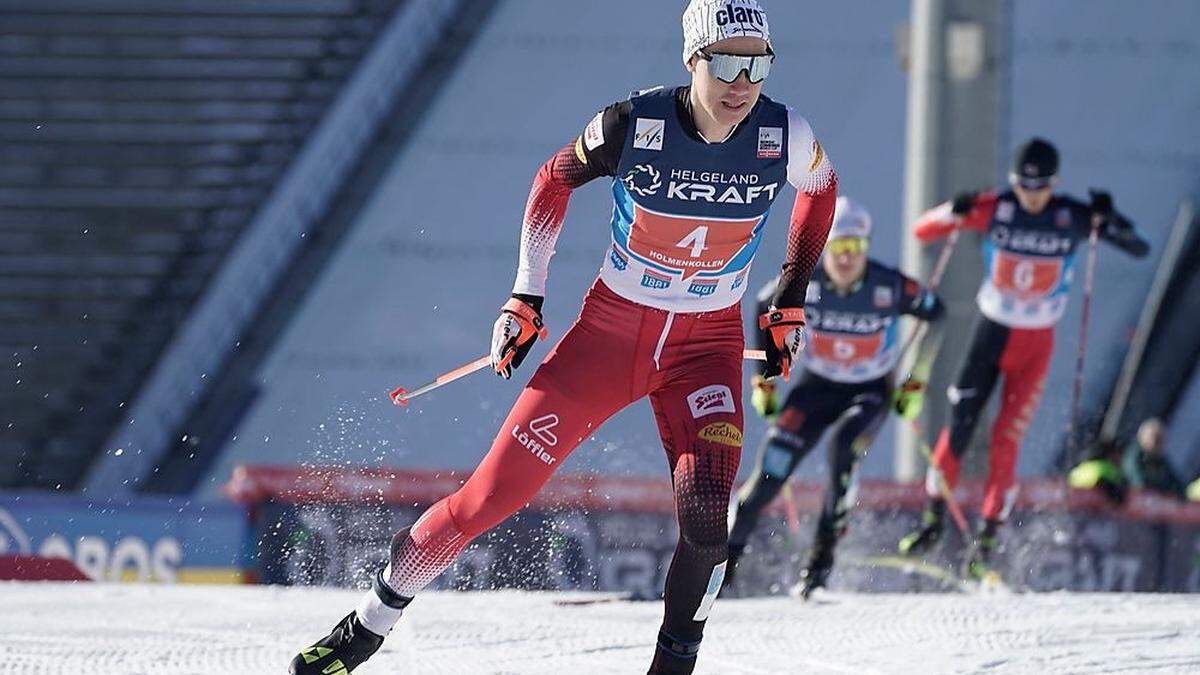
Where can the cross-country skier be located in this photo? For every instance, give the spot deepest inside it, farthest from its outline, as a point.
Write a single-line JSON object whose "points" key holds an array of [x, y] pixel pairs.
{"points": [[696, 169], [1031, 236], [853, 305]]}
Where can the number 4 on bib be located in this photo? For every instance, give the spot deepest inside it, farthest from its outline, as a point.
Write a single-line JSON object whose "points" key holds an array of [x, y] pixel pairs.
{"points": [[695, 241]]}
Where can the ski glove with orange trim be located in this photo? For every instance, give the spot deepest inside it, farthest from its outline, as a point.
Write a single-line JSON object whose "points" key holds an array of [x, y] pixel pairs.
{"points": [[786, 328], [519, 326]]}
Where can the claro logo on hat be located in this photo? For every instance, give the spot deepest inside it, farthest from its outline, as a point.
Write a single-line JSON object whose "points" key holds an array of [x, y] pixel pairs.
{"points": [[739, 13]]}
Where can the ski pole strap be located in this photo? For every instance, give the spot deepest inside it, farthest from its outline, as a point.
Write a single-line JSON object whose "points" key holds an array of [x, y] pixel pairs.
{"points": [[530, 320], [786, 316]]}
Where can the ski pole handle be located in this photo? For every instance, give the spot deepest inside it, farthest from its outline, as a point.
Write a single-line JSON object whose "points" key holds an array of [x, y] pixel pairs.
{"points": [[401, 396]]}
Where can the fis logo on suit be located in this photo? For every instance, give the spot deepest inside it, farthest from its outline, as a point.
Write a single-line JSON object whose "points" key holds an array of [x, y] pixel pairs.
{"points": [[648, 134]]}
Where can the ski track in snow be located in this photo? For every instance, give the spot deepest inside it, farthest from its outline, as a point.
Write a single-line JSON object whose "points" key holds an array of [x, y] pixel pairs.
{"points": [[88, 629]]}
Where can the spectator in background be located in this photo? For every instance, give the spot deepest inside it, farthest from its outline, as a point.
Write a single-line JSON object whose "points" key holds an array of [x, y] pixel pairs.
{"points": [[1146, 466], [1102, 472]]}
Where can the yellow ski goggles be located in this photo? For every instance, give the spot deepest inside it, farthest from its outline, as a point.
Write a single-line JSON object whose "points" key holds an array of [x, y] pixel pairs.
{"points": [[847, 246]]}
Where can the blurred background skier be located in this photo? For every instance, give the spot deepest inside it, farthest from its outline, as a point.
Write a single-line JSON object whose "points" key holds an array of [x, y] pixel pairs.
{"points": [[1031, 235], [853, 305]]}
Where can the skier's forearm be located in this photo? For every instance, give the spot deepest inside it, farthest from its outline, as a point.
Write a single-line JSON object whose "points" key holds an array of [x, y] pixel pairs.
{"points": [[812, 216], [545, 211], [936, 223]]}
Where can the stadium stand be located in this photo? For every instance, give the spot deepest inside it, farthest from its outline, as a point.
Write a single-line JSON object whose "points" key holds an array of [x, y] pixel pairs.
{"points": [[137, 139]]}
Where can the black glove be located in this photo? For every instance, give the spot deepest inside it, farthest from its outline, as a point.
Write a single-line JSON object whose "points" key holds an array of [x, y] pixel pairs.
{"points": [[963, 203], [1102, 203], [519, 326], [786, 328]]}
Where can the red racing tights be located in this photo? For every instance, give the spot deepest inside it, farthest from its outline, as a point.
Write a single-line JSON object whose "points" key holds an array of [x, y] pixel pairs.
{"points": [[690, 365], [1022, 355]]}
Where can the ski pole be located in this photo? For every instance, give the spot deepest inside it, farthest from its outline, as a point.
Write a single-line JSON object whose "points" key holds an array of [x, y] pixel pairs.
{"points": [[935, 280], [952, 506], [1088, 282], [401, 396]]}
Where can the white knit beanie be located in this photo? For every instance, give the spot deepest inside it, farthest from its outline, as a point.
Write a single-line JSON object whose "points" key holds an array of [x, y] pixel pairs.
{"points": [[709, 21], [850, 219]]}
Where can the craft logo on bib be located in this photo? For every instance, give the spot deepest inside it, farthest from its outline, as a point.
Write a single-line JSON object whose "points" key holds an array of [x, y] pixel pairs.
{"points": [[770, 142], [648, 134]]}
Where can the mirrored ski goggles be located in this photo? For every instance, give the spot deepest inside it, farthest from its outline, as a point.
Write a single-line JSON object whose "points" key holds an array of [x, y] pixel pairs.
{"points": [[727, 67], [1032, 184], [847, 246]]}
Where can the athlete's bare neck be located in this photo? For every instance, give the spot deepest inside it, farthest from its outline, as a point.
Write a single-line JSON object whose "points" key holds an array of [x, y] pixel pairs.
{"points": [[710, 130]]}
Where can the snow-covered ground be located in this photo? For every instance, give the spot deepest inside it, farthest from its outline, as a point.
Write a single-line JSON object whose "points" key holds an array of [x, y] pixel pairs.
{"points": [[131, 630]]}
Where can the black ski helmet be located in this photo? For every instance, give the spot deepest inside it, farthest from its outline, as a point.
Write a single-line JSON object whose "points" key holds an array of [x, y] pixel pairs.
{"points": [[1035, 164]]}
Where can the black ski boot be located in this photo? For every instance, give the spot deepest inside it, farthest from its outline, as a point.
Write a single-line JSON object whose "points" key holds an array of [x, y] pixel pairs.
{"points": [[340, 652], [977, 566], [922, 540], [349, 643], [816, 572]]}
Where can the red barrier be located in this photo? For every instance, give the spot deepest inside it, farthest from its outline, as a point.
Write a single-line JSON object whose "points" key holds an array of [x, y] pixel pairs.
{"points": [[33, 568], [326, 485]]}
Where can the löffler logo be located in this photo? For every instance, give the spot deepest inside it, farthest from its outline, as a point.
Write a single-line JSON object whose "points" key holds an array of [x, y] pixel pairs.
{"points": [[538, 437], [542, 426]]}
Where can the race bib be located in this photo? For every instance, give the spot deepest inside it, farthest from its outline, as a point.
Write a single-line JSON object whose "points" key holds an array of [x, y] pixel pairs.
{"points": [[846, 349], [689, 245], [1026, 277]]}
